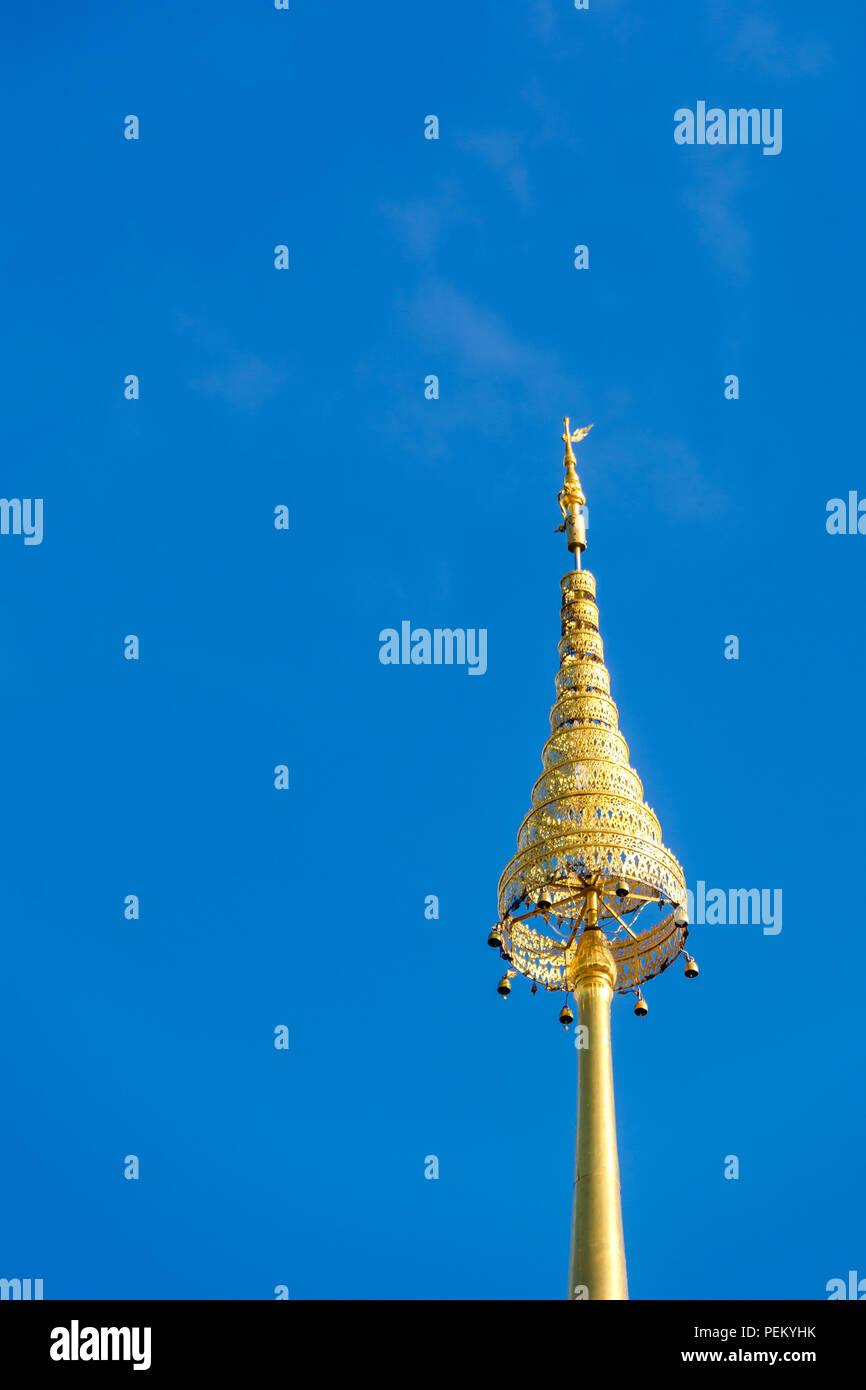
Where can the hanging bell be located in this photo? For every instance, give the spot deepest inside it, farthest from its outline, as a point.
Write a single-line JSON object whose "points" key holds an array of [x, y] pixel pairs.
{"points": [[641, 1008], [566, 1016], [691, 968], [544, 901], [681, 917], [495, 938], [621, 889], [504, 987], [534, 989]]}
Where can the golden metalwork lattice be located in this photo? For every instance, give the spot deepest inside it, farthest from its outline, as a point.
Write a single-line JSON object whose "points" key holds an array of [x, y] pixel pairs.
{"points": [[590, 844]]}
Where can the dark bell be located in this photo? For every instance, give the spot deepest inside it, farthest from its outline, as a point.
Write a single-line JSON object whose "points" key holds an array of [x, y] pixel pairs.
{"points": [[691, 968], [495, 938], [504, 987], [566, 1016], [641, 1008], [621, 889], [545, 901]]}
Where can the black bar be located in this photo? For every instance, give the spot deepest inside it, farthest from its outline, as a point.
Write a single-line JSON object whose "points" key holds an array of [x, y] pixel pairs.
{"points": [[221, 1339]]}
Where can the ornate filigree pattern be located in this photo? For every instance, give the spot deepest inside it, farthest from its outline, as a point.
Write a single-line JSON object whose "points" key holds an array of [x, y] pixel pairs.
{"points": [[589, 829], [548, 962]]}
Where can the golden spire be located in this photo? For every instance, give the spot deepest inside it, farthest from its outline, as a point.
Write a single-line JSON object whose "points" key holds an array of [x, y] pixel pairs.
{"points": [[590, 850], [574, 901], [571, 498]]}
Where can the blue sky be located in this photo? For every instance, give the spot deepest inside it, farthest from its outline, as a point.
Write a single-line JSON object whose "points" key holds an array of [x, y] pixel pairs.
{"points": [[305, 387]]}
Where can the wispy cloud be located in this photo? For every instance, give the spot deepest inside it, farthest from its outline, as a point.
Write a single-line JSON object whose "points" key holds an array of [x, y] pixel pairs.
{"points": [[713, 199], [553, 20], [759, 41], [241, 379], [502, 153], [422, 222], [493, 377], [543, 16], [449, 320], [245, 382]]}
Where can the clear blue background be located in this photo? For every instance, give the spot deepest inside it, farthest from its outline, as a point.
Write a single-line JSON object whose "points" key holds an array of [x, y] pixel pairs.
{"points": [[258, 647]]}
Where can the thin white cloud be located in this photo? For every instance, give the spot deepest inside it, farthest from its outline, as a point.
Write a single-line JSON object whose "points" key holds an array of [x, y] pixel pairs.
{"points": [[245, 382], [713, 200], [448, 320], [553, 21], [422, 222], [242, 379], [502, 153], [759, 41]]}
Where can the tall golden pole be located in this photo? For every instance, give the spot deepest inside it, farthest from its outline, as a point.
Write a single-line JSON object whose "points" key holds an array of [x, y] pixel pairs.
{"points": [[573, 900], [597, 1267]]}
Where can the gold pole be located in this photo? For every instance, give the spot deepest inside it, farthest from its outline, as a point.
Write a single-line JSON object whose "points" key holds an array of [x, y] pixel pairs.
{"points": [[590, 855], [597, 1268]]}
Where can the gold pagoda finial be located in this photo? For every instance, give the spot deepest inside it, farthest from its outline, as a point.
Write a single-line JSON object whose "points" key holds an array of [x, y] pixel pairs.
{"points": [[590, 869], [571, 498], [569, 438]]}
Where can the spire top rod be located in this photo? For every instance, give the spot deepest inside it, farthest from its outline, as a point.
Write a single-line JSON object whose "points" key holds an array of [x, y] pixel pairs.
{"points": [[571, 498], [575, 438]]}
